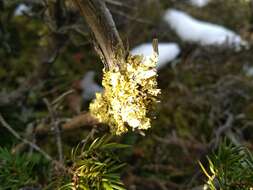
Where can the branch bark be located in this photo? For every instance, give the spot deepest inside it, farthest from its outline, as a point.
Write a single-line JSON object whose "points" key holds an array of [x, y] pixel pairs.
{"points": [[55, 125], [110, 46], [15, 134], [84, 120]]}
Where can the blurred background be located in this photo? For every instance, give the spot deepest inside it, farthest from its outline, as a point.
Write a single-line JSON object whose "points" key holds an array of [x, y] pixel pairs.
{"points": [[49, 73]]}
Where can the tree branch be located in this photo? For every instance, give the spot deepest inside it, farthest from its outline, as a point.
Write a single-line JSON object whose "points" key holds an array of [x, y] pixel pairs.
{"points": [[15, 134], [55, 125], [110, 47], [84, 120]]}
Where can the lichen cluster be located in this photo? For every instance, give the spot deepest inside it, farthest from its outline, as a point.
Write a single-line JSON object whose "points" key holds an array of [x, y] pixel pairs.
{"points": [[129, 94]]}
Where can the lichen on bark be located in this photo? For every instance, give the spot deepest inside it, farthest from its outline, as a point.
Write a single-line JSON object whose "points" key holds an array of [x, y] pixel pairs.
{"points": [[130, 91]]}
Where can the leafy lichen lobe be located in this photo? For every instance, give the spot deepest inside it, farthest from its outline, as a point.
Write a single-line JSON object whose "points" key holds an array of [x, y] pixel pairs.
{"points": [[129, 94]]}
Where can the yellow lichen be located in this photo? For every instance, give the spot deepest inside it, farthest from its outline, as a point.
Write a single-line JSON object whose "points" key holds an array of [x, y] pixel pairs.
{"points": [[129, 94]]}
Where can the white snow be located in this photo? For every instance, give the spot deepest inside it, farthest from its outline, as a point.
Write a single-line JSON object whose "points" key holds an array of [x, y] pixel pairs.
{"points": [[248, 70], [89, 86], [199, 3], [204, 33], [167, 52], [21, 9]]}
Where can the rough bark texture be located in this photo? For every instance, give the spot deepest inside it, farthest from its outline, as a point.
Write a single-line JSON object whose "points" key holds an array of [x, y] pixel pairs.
{"points": [[99, 19]]}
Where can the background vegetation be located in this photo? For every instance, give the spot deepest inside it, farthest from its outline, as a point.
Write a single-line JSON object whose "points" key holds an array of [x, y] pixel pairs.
{"points": [[207, 96]]}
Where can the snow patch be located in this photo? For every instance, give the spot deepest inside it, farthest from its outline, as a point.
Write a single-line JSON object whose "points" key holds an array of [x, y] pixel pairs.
{"points": [[89, 86], [193, 30], [21, 9], [199, 3], [167, 52], [248, 70]]}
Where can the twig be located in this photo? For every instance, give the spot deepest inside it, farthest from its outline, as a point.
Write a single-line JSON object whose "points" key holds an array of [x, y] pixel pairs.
{"points": [[62, 96], [117, 3], [34, 146], [57, 102], [57, 131], [28, 135], [80, 121], [110, 46], [133, 18], [15, 134], [84, 120], [227, 126], [89, 136]]}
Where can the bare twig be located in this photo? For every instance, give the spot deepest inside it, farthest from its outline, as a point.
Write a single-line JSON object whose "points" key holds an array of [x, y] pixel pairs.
{"points": [[84, 121], [29, 135], [34, 146], [222, 129], [90, 136], [118, 3], [130, 17], [62, 96], [110, 46], [80, 121], [15, 134], [56, 128]]}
